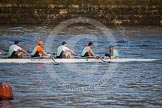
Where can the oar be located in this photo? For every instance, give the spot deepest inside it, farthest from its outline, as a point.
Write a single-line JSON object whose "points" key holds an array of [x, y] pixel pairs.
{"points": [[4, 52], [52, 58], [101, 58], [95, 57], [54, 62]]}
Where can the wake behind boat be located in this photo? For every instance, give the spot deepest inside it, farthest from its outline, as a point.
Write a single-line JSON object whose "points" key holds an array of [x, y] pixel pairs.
{"points": [[75, 60]]}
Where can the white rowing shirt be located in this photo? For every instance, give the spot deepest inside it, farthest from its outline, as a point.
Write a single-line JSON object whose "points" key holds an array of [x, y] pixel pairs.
{"points": [[65, 49], [17, 48], [13, 48]]}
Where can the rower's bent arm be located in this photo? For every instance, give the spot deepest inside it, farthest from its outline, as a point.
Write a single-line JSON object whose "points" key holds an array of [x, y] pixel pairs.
{"points": [[25, 52], [44, 53], [73, 52], [92, 53]]}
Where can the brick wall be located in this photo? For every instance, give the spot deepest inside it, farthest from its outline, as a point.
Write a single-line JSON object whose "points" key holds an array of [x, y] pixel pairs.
{"points": [[144, 12]]}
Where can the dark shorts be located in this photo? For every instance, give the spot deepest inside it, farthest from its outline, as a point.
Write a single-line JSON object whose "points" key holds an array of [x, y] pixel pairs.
{"points": [[86, 55], [14, 55], [36, 54], [62, 55], [107, 55]]}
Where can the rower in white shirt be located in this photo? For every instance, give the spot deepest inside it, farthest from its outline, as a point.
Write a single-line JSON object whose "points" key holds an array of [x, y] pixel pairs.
{"points": [[64, 52], [15, 51]]}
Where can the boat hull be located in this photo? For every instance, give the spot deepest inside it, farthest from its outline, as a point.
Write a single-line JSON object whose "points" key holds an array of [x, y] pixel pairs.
{"points": [[73, 60]]}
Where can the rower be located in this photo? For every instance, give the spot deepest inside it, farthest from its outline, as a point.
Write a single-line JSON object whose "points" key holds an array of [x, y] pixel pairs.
{"points": [[15, 51], [112, 53], [64, 52], [88, 52], [38, 51]]}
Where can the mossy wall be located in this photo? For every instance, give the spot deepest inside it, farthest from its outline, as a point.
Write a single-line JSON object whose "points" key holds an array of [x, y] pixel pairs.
{"points": [[143, 12]]}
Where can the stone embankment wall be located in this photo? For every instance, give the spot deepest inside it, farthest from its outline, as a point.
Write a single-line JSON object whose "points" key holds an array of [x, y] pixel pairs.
{"points": [[132, 12]]}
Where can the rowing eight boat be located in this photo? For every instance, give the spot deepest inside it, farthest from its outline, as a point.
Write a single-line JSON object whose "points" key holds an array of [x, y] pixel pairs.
{"points": [[75, 60]]}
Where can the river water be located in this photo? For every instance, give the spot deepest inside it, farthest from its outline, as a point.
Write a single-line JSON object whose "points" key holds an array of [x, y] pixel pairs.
{"points": [[90, 85]]}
